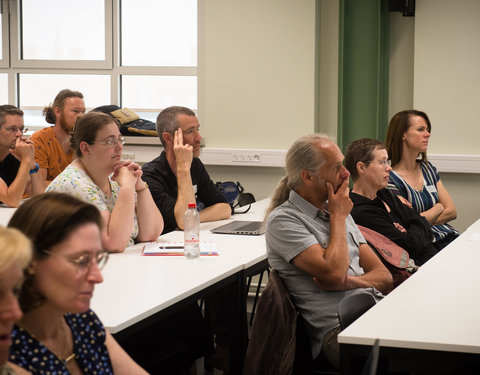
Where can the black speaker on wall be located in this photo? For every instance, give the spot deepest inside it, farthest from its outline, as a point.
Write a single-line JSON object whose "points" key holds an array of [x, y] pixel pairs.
{"points": [[407, 7]]}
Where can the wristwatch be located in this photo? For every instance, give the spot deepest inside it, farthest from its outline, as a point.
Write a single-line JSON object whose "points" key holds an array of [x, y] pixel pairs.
{"points": [[35, 170]]}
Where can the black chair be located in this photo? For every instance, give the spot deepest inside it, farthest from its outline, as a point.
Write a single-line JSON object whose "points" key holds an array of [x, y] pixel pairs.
{"points": [[371, 364], [257, 293], [352, 307], [304, 363]]}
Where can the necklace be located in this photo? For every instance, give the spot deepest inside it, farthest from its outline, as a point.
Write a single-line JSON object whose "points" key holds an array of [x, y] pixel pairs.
{"points": [[66, 358], [64, 338]]}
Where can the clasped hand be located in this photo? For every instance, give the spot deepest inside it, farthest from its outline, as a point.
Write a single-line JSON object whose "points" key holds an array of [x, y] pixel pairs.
{"points": [[24, 149], [127, 172]]}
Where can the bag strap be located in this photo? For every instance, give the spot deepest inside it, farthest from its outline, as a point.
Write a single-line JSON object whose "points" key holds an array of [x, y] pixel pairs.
{"points": [[388, 250]]}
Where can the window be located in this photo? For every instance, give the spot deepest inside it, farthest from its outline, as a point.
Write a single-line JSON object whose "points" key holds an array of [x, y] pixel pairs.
{"points": [[166, 35], [3, 88], [64, 37], [140, 54]]}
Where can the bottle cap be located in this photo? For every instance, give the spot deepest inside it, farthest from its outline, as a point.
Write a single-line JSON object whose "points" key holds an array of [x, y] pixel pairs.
{"points": [[192, 205]]}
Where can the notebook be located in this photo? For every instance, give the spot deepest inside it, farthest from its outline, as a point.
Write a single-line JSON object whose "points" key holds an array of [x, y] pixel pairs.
{"points": [[252, 228]]}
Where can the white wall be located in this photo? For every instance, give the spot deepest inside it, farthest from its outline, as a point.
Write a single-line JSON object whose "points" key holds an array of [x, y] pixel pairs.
{"points": [[256, 72], [224, 105]]}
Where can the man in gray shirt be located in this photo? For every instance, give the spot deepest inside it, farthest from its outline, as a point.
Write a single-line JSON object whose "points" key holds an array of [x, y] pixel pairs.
{"points": [[314, 244]]}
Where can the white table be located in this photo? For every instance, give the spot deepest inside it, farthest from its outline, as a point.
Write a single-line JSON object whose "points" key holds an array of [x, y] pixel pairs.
{"points": [[140, 289], [5, 214], [435, 311]]}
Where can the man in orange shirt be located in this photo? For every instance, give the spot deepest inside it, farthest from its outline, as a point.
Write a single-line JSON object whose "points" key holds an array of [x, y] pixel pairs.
{"points": [[52, 144]]}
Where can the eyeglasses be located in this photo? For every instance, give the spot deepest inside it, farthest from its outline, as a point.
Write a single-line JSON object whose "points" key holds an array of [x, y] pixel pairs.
{"points": [[83, 263], [14, 129], [112, 141], [382, 162]]}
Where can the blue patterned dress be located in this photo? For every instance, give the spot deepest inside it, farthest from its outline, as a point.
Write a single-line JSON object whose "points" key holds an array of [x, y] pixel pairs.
{"points": [[88, 345], [422, 200]]}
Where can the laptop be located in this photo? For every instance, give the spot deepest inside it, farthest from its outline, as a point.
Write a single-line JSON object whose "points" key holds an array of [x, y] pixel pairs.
{"points": [[252, 228]]}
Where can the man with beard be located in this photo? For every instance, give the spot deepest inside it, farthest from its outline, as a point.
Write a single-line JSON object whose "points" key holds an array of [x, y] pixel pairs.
{"points": [[178, 177], [314, 244], [52, 144], [18, 169]]}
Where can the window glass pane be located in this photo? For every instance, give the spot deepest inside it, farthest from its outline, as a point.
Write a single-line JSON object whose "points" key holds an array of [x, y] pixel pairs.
{"points": [[63, 30], [158, 92], [38, 90], [165, 35], [3, 88]]}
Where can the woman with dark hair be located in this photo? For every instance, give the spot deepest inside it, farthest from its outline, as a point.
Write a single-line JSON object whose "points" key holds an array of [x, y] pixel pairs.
{"points": [[15, 254], [377, 208], [414, 178], [115, 187], [58, 332]]}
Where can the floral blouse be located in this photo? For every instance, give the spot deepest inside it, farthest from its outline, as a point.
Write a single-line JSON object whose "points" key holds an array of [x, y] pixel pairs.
{"points": [[76, 182]]}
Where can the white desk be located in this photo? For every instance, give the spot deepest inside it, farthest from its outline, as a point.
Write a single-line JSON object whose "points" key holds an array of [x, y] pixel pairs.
{"points": [[437, 309], [139, 288], [5, 214]]}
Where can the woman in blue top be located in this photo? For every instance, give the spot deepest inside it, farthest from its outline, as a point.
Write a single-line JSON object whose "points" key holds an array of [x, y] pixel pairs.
{"points": [[58, 333], [414, 178]]}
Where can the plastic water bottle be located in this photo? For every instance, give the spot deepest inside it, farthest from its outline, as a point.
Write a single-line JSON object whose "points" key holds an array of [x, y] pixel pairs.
{"points": [[191, 232]]}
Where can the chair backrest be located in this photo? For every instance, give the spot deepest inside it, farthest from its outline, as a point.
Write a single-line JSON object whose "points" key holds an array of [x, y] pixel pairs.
{"points": [[352, 307], [271, 349]]}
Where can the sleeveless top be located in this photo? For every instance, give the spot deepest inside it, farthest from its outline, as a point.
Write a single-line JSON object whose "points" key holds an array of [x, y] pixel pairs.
{"points": [[88, 345], [424, 199]]}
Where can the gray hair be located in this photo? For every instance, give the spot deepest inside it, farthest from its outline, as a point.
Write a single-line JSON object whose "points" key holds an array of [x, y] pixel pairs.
{"points": [[167, 120], [301, 156], [8, 109]]}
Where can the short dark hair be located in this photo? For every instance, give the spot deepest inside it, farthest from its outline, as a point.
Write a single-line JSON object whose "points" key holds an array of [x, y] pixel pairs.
{"points": [[48, 219], [8, 109], [361, 150], [167, 120], [87, 128], [398, 125], [59, 101]]}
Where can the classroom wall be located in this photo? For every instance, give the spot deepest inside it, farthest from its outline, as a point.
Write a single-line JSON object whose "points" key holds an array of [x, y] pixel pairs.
{"points": [[261, 181], [256, 71]]}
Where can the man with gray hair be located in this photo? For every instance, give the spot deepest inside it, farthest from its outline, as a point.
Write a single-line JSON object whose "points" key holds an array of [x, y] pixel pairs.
{"points": [[314, 244], [177, 177], [18, 169]]}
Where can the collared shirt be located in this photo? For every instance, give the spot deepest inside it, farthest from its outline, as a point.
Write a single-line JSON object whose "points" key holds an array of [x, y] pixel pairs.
{"points": [[293, 227]]}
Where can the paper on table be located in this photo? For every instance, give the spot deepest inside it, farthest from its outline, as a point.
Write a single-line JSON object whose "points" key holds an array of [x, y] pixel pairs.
{"points": [[176, 248]]}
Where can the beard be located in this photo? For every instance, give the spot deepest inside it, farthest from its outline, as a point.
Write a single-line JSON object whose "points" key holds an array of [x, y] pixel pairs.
{"points": [[67, 128]]}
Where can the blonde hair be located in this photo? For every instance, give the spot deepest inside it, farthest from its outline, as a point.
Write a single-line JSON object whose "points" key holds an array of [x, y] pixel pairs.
{"points": [[15, 247], [302, 155]]}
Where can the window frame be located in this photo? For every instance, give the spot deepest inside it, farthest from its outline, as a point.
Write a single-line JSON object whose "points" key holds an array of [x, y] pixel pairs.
{"points": [[17, 62], [14, 66], [5, 60]]}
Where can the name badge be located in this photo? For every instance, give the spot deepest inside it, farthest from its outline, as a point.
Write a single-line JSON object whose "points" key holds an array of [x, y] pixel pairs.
{"points": [[194, 189], [431, 189]]}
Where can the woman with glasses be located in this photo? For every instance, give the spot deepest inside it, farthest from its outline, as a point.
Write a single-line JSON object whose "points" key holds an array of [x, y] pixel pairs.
{"points": [[414, 178], [58, 332], [15, 254], [377, 208], [115, 187]]}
